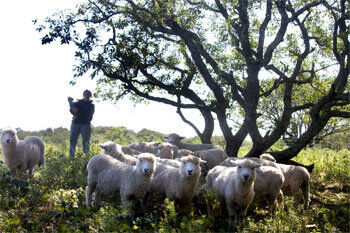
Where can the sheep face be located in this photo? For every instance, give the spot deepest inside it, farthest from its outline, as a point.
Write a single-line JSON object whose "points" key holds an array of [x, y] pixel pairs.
{"points": [[174, 138], [190, 165], [246, 170], [146, 163], [8, 136]]}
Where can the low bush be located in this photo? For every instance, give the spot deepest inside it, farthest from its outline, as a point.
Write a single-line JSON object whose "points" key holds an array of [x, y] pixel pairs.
{"points": [[54, 200]]}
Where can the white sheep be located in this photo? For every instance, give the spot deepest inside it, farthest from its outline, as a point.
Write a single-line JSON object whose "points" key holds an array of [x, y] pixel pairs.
{"points": [[268, 181], [264, 162], [184, 152], [268, 157], [170, 162], [176, 139], [235, 187], [21, 156], [229, 162], [296, 178], [160, 149], [129, 151], [213, 157], [108, 175], [178, 184], [115, 150]]}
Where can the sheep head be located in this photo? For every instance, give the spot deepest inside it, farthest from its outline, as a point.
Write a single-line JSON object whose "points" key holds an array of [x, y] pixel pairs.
{"points": [[246, 170], [110, 148], [190, 165], [8, 136], [174, 138], [146, 163]]}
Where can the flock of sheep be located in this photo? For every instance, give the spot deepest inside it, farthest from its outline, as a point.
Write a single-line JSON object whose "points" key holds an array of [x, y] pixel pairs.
{"points": [[173, 169]]}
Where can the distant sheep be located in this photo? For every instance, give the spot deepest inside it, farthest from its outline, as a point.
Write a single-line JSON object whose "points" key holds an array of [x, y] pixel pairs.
{"points": [[268, 157], [115, 150], [235, 186], [21, 156], [108, 175], [176, 139], [160, 149], [213, 157], [170, 162], [229, 162], [184, 152], [178, 184], [296, 178], [129, 151]]}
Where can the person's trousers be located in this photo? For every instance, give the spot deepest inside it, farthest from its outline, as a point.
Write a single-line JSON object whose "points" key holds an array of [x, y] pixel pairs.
{"points": [[75, 130]]}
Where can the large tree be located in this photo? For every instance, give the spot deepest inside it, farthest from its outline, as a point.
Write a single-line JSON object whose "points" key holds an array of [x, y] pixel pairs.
{"points": [[223, 58]]}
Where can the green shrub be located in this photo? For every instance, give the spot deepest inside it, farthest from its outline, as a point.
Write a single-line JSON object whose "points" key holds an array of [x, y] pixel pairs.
{"points": [[54, 200]]}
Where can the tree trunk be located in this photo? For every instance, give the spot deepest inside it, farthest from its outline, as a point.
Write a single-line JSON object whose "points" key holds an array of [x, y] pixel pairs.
{"points": [[207, 133]]}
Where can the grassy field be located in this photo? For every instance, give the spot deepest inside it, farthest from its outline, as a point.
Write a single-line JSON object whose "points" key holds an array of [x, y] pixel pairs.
{"points": [[54, 201]]}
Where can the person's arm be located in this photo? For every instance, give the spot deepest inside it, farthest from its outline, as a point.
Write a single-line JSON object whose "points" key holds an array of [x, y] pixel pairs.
{"points": [[73, 109], [92, 111]]}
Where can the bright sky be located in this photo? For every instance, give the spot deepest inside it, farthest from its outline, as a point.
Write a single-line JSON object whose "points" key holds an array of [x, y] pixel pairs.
{"points": [[34, 80]]}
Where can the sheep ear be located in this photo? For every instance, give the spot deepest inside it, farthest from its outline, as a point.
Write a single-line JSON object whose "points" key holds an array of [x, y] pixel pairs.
{"points": [[234, 163], [102, 146], [202, 161], [182, 138]]}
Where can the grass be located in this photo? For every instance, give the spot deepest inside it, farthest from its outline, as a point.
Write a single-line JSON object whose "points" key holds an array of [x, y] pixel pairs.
{"points": [[54, 200]]}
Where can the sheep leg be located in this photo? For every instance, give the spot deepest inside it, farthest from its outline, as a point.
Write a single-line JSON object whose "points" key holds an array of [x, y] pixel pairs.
{"points": [[306, 194], [296, 195], [88, 194], [280, 197], [145, 202], [19, 171], [242, 214], [272, 202], [212, 210], [96, 197], [231, 212], [280, 200], [126, 204], [13, 174], [30, 171]]}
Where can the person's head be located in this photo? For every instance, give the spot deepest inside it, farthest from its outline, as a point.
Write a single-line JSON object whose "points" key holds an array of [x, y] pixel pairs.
{"points": [[87, 95]]}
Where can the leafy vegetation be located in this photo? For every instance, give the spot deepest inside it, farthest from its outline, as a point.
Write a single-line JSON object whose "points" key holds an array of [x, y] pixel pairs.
{"points": [[54, 200]]}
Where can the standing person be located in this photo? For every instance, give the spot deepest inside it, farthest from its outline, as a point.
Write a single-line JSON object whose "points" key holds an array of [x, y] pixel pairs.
{"points": [[82, 111]]}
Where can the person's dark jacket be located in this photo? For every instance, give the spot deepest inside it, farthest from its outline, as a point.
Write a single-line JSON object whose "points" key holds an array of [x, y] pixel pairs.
{"points": [[86, 110]]}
